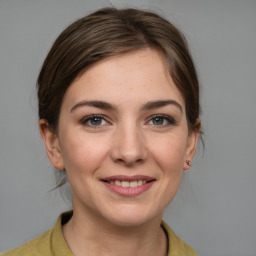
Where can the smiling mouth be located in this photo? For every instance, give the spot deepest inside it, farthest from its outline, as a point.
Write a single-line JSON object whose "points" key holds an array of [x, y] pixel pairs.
{"points": [[127, 184], [128, 181]]}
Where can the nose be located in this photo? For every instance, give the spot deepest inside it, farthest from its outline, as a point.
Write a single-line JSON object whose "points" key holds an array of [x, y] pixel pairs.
{"points": [[129, 146]]}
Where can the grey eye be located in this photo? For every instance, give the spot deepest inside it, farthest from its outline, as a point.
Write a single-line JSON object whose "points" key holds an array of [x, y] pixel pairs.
{"points": [[158, 120], [95, 121], [162, 120]]}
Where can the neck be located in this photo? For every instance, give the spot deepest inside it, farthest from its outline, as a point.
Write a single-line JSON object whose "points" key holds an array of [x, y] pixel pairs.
{"points": [[95, 237]]}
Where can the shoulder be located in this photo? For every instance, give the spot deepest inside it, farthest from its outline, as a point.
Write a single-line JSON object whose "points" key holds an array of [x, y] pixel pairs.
{"points": [[37, 246], [51, 243], [176, 245]]}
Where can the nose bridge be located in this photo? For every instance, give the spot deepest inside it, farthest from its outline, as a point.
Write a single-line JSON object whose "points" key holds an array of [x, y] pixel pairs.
{"points": [[129, 143]]}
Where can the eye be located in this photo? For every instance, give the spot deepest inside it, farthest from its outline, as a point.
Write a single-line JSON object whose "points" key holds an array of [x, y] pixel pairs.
{"points": [[161, 120], [94, 121]]}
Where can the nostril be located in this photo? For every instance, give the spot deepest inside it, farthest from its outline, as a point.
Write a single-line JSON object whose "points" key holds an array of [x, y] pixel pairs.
{"points": [[129, 161], [128, 147]]}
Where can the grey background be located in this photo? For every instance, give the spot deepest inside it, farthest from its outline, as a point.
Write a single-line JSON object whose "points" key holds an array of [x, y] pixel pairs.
{"points": [[215, 208]]}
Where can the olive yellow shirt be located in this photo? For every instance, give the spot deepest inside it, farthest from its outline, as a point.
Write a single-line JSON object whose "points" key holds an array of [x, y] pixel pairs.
{"points": [[52, 243]]}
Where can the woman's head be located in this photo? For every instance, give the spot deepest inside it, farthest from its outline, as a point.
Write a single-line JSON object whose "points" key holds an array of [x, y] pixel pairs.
{"points": [[107, 33], [123, 139], [118, 106]]}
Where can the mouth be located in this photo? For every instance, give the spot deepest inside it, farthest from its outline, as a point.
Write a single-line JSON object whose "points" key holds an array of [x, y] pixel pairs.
{"points": [[128, 185]]}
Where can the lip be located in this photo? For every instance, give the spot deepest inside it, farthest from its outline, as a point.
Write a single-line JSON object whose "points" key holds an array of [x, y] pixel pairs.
{"points": [[128, 178], [130, 191]]}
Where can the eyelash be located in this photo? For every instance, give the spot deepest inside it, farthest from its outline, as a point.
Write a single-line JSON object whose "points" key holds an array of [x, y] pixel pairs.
{"points": [[168, 119], [165, 118], [86, 120]]}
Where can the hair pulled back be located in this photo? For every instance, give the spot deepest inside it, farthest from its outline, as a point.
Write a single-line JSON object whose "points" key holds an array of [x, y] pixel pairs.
{"points": [[110, 32]]}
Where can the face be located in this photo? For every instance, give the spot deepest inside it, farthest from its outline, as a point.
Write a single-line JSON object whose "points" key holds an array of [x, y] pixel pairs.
{"points": [[123, 139]]}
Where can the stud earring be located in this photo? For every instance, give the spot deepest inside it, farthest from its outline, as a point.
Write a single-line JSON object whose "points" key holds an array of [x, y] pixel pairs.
{"points": [[188, 162]]}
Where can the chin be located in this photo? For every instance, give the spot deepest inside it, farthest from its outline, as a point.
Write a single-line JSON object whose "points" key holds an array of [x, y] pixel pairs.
{"points": [[132, 216]]}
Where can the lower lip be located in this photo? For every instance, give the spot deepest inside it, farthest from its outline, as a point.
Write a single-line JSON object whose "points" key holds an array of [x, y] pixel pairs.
{"points": [[129, 192]]}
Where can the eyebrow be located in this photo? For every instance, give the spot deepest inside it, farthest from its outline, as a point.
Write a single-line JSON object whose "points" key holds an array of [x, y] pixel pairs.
{"points": [[93, 103], [161, 103], [107, 106]]}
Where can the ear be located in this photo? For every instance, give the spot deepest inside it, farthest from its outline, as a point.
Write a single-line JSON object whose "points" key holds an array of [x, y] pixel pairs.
{"points": [[192, 145], [52, 145]]}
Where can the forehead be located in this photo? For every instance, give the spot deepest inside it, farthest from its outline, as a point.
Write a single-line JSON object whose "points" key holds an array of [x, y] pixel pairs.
{"points": [[135, 76]]}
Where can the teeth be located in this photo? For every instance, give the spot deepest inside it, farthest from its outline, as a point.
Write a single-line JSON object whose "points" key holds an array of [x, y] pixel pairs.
{"points": [[118, 183], [128, 184], [139, 182], [133, 184], [125, 184]]}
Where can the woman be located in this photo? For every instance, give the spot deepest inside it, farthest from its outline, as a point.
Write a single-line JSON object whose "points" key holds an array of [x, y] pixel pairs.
{"points": [[119, 112]]}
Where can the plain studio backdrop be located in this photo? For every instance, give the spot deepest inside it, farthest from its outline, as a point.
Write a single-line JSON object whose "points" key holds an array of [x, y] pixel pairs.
{"points": [[215, 208]]}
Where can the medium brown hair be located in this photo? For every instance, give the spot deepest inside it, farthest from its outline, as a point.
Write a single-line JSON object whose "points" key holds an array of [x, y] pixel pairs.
{"points": [[107, 33]]}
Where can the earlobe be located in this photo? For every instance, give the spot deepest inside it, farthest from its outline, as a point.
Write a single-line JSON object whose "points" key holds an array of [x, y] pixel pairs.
{"points": [[52, 145], [191, 146]]}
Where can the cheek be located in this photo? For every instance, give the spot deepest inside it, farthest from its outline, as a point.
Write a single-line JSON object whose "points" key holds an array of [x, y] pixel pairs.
{"points": [[83, 154], [169, 153]]}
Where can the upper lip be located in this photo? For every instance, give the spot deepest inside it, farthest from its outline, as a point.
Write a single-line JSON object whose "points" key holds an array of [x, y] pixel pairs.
{"points": [[128, 178]]}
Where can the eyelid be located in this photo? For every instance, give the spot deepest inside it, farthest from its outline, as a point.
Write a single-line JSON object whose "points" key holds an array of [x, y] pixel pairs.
{"points": [[171, 120], [85, 119]]}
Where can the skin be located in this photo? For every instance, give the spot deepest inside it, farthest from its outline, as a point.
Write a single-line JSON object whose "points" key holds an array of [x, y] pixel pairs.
{"points": [[130, 138]]}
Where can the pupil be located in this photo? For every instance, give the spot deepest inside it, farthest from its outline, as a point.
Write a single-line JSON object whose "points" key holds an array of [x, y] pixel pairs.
{"points": [[96, 121], [158, 120]]}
